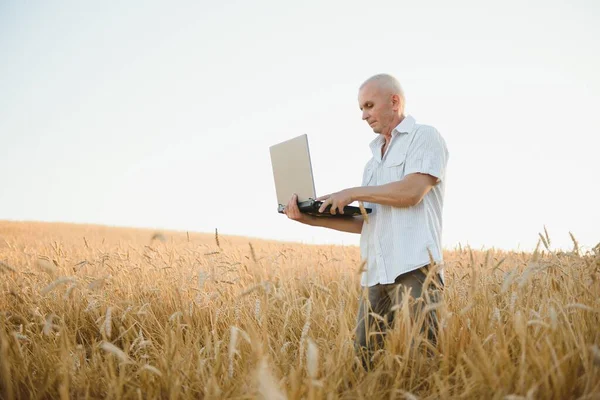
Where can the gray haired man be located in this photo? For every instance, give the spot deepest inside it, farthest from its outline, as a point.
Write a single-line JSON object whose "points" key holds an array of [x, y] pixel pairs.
{"points": [[404, 184]]}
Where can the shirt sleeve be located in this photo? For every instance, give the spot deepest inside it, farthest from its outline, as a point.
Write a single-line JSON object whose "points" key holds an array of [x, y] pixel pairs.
{"points": [[427, 154]]}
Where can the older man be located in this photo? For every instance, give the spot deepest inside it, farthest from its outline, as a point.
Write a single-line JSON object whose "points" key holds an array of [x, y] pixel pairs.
{"points": [[404, 185]]}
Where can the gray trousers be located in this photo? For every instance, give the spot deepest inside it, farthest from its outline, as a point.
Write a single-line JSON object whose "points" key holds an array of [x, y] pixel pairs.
{"points": [[381, 299]]}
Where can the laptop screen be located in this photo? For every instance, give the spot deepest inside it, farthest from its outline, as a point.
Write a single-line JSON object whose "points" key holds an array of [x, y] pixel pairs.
{"points": [[292, 170]]}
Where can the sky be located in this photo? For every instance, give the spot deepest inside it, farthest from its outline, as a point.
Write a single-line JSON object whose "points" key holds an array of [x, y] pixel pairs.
{"points": [[160, 114]]}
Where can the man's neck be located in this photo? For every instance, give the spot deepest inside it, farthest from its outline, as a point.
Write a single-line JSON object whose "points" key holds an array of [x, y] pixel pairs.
{"points": [[388, 134]]}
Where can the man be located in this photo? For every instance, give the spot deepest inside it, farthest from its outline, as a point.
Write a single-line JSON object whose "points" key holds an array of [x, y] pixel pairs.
{"points": [[404, 184]]}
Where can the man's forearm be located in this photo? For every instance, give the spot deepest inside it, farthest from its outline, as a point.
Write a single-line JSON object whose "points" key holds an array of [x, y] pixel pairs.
{"points": [[395, 194], [345, 224]]}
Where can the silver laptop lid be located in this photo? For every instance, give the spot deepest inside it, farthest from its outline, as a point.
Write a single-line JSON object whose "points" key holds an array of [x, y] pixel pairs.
{"points": [[292, 170]]}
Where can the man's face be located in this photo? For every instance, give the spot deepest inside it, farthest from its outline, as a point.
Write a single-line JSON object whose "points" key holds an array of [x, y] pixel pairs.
{"points": [[378, 107]]}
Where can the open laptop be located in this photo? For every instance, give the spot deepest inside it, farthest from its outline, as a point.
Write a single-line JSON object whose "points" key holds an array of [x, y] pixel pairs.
{"points": [[292, 171]]}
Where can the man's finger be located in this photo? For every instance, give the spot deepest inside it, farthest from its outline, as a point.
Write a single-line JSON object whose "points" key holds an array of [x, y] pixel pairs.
{"points": [[333, 208], [293, 202], [323, 197], [341, 207], [324, 205]]}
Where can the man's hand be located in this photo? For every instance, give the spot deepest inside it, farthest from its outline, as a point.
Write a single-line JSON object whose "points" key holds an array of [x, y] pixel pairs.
{"points": [[337, 200], [293, 212], [351, 225]]}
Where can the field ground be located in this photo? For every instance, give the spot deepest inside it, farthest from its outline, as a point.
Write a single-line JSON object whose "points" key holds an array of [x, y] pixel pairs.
{"points": [[101, 312]]}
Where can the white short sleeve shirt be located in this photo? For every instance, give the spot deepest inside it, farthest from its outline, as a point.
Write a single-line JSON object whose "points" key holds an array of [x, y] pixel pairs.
{"points": [[397, 240]]}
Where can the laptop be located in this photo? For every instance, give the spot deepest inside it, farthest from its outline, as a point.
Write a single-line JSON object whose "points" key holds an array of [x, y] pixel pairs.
{"points": [[292, 172]]}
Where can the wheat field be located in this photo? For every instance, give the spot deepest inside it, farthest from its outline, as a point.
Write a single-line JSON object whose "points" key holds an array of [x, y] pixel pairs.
{"points": [[101, 312]]}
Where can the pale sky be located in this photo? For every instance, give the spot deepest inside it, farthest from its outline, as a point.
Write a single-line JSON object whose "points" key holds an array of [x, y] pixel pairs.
{"points": [[161, 114]]}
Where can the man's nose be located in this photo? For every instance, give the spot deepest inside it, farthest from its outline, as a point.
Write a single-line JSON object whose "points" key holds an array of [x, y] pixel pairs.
{"points": [[365, 115]]}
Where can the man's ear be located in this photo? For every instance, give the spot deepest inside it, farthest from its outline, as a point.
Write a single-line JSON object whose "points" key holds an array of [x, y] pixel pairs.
{"points": [[396, 102]]}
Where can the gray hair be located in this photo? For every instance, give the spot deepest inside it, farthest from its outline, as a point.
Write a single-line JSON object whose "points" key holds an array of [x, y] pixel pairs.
{"points": [[387, 82]]}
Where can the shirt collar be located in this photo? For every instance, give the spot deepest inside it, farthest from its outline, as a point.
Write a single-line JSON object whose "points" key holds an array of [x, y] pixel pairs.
{"points": [[405, 126]]}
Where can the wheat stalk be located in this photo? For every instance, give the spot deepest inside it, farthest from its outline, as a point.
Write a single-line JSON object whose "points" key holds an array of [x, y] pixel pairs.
{"points": [[47, 266], [232, 348], [49, 325], [363, 212], [56, 283], [252, 252], [96, 283], [312, 359], [4, 266], [268, 388], [108, 323], [151, 369], [117, 352]]}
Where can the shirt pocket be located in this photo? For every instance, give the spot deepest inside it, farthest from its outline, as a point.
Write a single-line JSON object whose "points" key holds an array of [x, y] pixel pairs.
{"points": [[394, 166], [368, 175]]}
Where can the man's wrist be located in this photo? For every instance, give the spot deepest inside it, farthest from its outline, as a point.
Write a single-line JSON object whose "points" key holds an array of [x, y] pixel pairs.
{"points": [[356, 193]]}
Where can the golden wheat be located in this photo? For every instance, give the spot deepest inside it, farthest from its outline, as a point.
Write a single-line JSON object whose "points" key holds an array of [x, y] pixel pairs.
{"points": [[98, 312]]}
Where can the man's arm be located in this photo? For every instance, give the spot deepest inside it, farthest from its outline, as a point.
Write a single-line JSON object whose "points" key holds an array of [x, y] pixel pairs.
{"points": [[405, 193], [352, 224], [349, 224]]}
